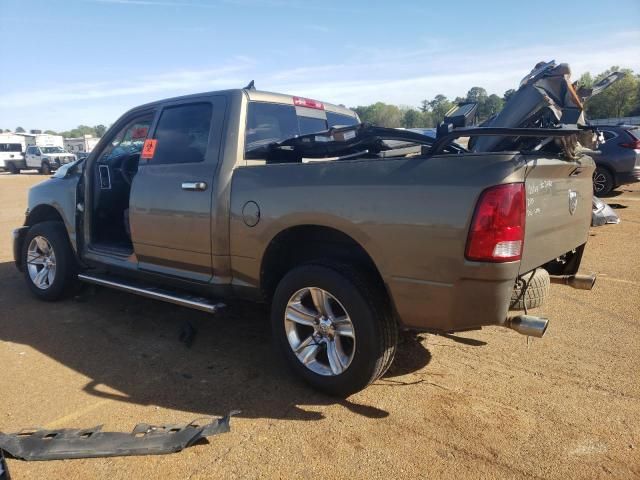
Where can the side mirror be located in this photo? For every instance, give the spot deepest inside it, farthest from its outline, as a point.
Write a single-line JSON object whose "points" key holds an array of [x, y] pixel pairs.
{"points": [[38, 154]]}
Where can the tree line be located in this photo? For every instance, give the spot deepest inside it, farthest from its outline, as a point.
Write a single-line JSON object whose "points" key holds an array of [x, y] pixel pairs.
{"points": [[620, 100], [79, 131]]}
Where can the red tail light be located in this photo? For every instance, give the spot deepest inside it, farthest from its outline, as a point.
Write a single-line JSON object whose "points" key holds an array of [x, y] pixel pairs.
{"points": [[307, 102], [634, 144], [497, 229]]}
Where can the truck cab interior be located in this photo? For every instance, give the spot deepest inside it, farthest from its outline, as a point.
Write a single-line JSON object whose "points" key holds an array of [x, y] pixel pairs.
{"points": [[113, 173]]}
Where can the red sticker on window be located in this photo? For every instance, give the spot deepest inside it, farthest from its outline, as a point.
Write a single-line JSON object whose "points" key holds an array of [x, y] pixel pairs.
{"points": [[149, 148], [139, 133]]}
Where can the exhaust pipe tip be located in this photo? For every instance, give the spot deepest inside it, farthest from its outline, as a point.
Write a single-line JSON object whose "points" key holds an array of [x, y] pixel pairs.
{"points": [[528, 325], [581, 282]]}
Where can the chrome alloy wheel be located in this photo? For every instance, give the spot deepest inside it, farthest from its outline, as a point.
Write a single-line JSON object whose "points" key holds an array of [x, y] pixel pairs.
{"points": [[599, 182], [41, 262], [319, 331]]}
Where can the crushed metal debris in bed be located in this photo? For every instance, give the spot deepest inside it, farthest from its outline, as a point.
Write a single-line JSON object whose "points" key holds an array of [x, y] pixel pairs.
{"points": [[145, 439]]}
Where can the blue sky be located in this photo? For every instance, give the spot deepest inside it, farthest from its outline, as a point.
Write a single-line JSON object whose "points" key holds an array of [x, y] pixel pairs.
{"points": [[71, 62]]}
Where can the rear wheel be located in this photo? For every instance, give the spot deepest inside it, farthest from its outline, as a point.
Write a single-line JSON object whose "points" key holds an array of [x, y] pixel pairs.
{"points": [[45, 169], [334, 327], [603, 182], [49, 263], [11, 167]]}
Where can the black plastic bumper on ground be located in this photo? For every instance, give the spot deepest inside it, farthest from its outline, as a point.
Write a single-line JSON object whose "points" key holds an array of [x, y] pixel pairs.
{"points": [[18, 241], [93, 442]]}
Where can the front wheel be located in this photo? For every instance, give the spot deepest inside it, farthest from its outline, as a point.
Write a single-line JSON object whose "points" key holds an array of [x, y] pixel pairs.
{"points": [[45, 169], [334, 327], [49, 263]]}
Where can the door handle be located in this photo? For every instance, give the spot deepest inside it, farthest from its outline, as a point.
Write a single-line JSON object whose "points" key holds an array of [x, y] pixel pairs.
{"points": [[194, 186]]}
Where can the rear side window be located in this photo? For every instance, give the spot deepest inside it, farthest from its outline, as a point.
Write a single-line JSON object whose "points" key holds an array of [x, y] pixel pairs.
{"points": [[10, 147], [608, 135], [269, 123], [339, 120], [183, 134]]}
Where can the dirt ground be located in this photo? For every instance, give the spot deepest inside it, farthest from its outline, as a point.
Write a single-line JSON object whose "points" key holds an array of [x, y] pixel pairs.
{"points": [[481, 404]]}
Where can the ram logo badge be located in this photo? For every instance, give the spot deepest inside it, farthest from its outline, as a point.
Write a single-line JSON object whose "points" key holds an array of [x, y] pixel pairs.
{"points": [[573, 201]]}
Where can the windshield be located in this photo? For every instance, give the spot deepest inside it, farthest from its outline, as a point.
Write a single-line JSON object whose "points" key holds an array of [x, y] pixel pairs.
{"points": [[52, 150]]}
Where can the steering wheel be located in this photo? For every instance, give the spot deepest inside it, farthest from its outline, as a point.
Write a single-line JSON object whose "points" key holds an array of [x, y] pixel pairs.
{"points": [[126, 167]]}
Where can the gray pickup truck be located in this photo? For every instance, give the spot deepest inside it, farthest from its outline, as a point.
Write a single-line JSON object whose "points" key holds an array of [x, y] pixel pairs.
{"points": [[349, 231]]}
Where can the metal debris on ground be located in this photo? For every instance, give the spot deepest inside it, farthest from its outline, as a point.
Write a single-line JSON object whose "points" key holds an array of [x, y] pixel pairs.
{"points": [[145, 439], [4, 469]]}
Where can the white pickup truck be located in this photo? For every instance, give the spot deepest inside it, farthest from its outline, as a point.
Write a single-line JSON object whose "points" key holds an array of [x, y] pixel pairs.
{"points": [[44, 158]]}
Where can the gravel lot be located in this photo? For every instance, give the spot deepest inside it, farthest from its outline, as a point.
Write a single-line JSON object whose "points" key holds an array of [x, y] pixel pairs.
{"points": [[482, 404]]}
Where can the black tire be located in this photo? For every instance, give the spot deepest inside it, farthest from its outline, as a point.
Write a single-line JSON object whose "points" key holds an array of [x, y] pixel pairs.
{"points": [[603, 182], [12, 169], [45, 169], [537, 290], [66, 267], [376, 333]]}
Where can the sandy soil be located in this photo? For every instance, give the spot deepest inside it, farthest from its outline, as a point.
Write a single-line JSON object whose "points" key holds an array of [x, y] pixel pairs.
{"points": [[481, 404]]}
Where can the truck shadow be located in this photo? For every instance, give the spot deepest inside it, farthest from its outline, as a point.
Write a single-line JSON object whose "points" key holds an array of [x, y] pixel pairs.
{"points": [[128, 346]]}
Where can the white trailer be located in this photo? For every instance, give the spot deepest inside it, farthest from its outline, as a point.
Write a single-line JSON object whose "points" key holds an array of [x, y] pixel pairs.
{"points": [[43, 140]]}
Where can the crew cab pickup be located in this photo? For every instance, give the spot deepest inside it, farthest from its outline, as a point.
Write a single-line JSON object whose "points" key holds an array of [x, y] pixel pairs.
{"points": [[349, 231]]}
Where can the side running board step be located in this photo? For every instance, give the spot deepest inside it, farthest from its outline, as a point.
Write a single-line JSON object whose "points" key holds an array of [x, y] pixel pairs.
{"points": [[177, 298]]}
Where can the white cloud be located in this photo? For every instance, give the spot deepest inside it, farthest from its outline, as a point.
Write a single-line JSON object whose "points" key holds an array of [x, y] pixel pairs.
{"points": [[359, 76]]}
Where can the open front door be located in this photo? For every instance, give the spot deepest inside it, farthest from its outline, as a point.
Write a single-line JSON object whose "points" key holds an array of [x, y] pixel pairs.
{"points": [[172, 194]]}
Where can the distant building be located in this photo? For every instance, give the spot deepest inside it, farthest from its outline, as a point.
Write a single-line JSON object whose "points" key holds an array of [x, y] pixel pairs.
{"points": [[80, 144]]}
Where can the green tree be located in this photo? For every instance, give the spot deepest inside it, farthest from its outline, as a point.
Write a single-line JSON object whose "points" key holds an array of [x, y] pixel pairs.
{"points": [[585, 80], [19, 130], [412, 118], [477, 94], [619, 100], [79, 131], [100, 130], [508, 94], [51, 132], [380, 114], [492, 105], [439, 106]]}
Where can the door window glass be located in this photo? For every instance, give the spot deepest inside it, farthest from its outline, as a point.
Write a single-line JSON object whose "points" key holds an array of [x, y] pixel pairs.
{"points": [[128, 141], [182, 134]]}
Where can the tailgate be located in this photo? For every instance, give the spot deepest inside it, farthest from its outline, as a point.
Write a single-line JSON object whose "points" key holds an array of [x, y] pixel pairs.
{"points": [[558, 202]]}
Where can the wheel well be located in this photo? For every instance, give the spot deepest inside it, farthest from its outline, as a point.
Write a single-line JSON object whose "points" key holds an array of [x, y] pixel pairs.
{"points": [[606, 167], [307, 243], [43, 213]]}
